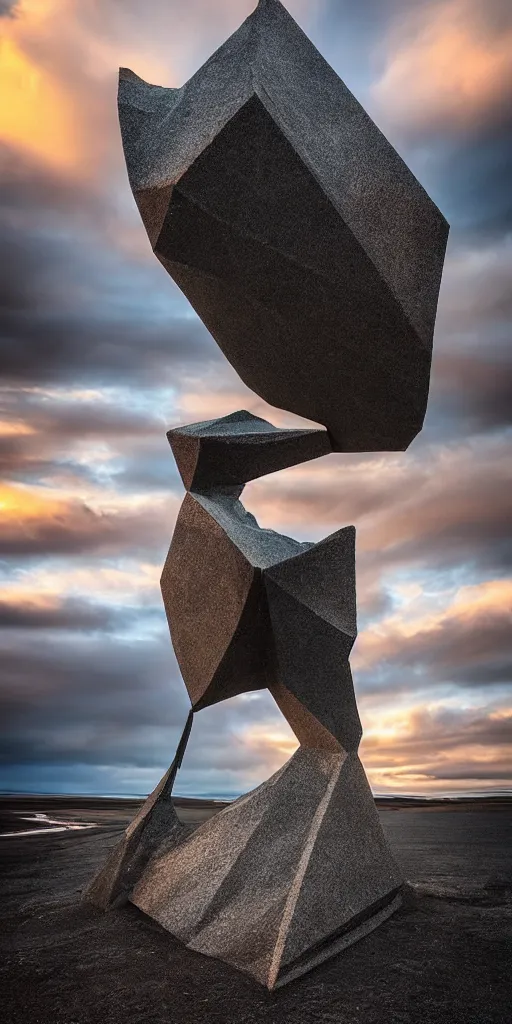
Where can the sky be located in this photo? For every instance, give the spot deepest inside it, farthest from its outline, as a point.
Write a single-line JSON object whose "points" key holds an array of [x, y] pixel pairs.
{"points": [[101, 354]]}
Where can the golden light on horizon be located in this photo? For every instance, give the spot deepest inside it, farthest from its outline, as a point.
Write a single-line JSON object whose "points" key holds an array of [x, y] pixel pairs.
{"points": [[25, 503]]}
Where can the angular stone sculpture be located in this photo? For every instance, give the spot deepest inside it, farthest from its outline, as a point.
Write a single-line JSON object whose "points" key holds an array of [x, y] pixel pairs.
{"points": [[298, 869], [314, 257], [295, 230], [303, 858]]}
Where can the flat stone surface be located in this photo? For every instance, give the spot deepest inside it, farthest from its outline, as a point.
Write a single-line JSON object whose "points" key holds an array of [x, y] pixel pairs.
{"points": [[349, 867], [262, 548], [443, 958], [324, 579]]}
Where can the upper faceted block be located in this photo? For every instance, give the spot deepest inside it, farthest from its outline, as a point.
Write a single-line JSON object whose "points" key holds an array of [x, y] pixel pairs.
{"points": [[230, 451], [298, 234]]}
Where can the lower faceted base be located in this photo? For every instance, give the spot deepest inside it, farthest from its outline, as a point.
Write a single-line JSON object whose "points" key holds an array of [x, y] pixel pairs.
{"points": [[337, 943], [284, 877]]}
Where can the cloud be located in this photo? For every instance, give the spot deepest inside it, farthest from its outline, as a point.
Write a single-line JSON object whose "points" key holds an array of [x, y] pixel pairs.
{"points": [[69, 437], [427, 749], [72, 615], [35, 521], [450, 506], [443, 95], [447, 63], [466, 643], [473, 173], [84, 441], [72, 309], [473, 392], [88, 702], [436, 78], [129, 584], [476, 297]]}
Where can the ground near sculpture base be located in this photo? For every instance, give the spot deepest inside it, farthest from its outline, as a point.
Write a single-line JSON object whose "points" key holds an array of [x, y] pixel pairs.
{"points": [[443, 958]]}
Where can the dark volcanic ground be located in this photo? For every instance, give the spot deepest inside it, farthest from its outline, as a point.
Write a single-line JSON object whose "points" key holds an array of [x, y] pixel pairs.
{"points": [[445, 958]]}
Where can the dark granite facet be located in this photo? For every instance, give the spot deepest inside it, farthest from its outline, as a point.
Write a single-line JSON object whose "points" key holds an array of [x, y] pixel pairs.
{"points": [[312, 664]]}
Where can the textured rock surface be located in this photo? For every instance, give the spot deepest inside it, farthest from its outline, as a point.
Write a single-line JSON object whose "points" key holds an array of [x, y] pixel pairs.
{"points": [[235, 449], [273, 882], [298, 234]]}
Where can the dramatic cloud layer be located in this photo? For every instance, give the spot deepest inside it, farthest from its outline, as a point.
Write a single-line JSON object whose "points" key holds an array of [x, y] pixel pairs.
{"points": [[101, 354]]}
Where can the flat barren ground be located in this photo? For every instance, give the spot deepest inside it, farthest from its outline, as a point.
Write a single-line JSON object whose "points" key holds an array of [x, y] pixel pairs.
{"points": [[444, 958]]}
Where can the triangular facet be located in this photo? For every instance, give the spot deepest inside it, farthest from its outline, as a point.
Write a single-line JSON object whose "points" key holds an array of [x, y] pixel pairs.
{"points": [[324, 579]]}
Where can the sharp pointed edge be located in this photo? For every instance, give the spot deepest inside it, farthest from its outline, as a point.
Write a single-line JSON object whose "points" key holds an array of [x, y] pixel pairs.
{"points": [[292, 574], [217, 427], [157, 820], [127, 75], [334, 944], [153, 204], [308, 729]]}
